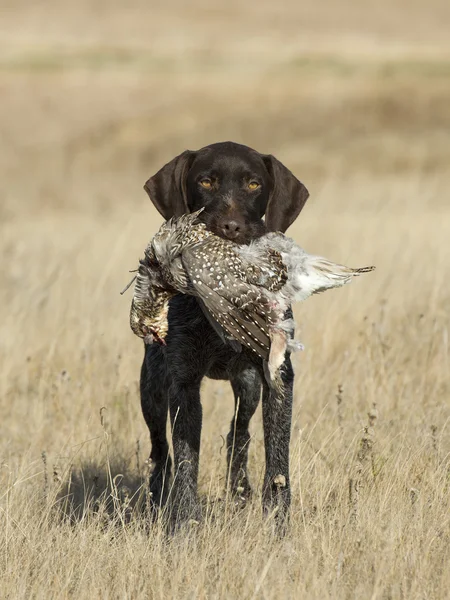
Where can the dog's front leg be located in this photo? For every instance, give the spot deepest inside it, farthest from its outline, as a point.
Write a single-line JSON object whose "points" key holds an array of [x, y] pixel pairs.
{"points": [[246, 383], [186, 419], [277, 417]]}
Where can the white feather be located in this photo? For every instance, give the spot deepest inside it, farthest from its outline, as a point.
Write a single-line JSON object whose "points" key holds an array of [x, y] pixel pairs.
{"points": [[307, 274]]}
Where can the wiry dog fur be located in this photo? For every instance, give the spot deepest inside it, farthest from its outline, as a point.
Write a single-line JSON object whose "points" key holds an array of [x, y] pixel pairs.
{"points": [[244, 194]]}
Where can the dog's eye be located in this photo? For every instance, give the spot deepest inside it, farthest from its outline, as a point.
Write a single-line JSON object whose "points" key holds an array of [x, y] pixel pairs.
{"points": [[206, 183], [253, 185]]}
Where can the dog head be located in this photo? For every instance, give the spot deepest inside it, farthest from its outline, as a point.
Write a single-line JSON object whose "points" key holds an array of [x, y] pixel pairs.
{"points": [[235, 185]]}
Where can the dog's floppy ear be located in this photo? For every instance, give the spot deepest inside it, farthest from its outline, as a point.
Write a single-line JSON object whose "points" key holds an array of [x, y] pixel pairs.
{"points": [[167, 189], [287, 198]]}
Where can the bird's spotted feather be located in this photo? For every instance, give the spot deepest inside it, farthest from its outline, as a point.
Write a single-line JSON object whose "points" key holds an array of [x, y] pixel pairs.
{"points": [[245, 290], [239, 305]]}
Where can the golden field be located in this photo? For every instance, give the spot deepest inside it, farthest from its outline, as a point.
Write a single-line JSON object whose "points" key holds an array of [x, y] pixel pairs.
{"points": [[355, 100]]}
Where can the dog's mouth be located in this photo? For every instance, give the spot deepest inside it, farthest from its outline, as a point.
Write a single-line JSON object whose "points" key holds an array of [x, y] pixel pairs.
{"points": [[243, 237], [237, 238]]}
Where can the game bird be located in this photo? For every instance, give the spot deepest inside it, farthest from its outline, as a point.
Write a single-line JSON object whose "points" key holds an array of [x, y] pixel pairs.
{"points": [[244, 290]]}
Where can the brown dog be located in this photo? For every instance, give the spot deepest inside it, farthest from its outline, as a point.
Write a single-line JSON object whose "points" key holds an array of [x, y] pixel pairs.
{"points": [[237, 187]]}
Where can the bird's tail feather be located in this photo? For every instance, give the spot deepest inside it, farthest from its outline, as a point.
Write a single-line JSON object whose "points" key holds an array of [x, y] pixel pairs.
{"points": [[326, 274]]}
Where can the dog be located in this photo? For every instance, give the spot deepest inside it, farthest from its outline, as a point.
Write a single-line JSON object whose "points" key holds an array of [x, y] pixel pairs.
{"points": [[244, 194]]}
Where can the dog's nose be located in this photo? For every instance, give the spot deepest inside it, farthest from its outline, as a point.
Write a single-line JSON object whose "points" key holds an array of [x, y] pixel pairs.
{"points": [[231, 229]]}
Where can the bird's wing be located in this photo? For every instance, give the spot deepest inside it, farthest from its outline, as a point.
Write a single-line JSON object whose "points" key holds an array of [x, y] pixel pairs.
{"points": [[221, 332], [240, 308], [238, 324]]}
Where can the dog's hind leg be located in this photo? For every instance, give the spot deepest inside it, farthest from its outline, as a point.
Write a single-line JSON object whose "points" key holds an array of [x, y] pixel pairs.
{"points": [[154, 403]]}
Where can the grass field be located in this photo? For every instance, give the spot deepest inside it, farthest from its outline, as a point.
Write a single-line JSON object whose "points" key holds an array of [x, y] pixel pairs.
{"points": [[356, 101]]}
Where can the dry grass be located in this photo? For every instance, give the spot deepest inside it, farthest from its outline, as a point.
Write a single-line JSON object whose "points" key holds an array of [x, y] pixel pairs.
{"points": [[366, 128]]}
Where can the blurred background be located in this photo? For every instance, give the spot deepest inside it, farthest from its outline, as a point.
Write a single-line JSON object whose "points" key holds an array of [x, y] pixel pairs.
{"points": [[96, 95]]}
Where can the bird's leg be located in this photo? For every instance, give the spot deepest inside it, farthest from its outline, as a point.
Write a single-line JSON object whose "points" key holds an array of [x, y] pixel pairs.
{"points": [[277, 416], [246, 384], [278, 346]]}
